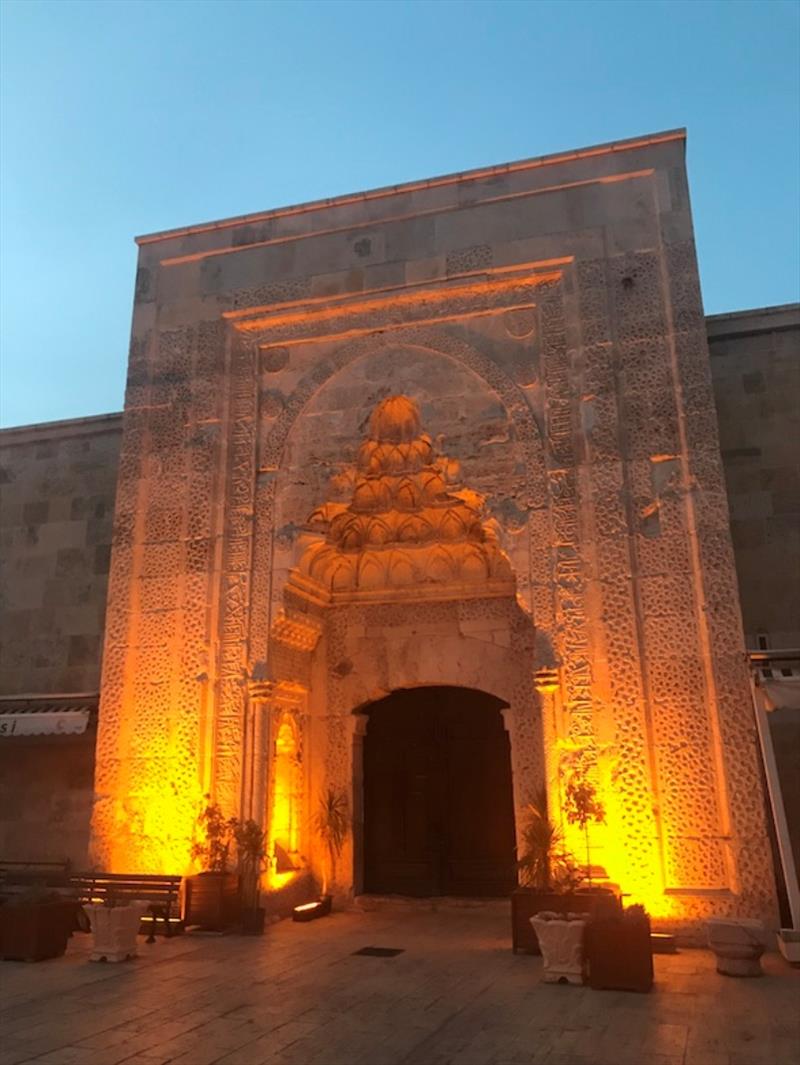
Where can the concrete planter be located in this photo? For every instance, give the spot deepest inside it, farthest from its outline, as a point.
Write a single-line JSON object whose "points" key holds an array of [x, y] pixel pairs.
{"points": [[561, 941], [527, 902], [738, 943], [114, 930]]}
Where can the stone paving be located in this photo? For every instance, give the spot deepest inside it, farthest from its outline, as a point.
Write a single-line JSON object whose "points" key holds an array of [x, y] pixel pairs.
{"points": [[456, 994]]}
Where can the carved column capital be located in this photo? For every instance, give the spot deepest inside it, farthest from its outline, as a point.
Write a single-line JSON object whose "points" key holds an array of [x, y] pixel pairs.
{"points": [[547, 681], [288, 695], [261, 691], [358, 724]]}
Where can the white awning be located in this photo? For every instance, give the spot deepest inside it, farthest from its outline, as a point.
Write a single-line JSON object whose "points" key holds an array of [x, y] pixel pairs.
{"points": [[46, 715], [777, 674], [782, 693]]}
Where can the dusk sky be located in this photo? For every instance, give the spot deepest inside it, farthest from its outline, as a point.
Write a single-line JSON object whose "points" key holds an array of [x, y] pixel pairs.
{"points": [[121, 118]]}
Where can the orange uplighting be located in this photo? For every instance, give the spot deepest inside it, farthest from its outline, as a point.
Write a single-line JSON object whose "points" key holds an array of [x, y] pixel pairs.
{"points": [[286, 806], [609, 841], [428, 297], [284, 825], [148, 822], [276, 881]]}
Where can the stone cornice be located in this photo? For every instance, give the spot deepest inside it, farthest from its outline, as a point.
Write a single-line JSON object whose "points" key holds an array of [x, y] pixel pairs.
{"points": [[388, 191], [493, 291]]}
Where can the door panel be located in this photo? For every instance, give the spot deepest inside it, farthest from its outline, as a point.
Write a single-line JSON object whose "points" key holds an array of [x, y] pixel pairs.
{"points": [[438, 808]]}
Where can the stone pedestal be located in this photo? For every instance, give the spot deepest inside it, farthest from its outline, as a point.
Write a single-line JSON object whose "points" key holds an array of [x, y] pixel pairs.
{"points": [[738, 944]]}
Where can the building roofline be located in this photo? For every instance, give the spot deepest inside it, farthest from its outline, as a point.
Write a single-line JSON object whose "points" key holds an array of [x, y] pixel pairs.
{"points": [[428, 183], [96, 423], [754, 320]]}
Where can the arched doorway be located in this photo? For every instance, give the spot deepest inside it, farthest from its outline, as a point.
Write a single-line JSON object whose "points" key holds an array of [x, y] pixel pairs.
{"points": [[438, 804]]}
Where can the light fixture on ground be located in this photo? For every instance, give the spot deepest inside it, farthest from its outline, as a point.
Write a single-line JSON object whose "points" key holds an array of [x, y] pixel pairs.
{"points": [[310, 911]]}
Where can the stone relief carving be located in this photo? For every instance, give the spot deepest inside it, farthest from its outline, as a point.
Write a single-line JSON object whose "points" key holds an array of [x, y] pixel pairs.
{"points": [[411, 528]]}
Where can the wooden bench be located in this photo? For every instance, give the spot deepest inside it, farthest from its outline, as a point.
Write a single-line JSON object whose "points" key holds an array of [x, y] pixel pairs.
{"points": [[163, 893], [17, 876]]}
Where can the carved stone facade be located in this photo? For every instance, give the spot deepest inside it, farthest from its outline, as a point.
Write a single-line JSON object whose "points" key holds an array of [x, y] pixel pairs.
{"points": [[545, 319]]}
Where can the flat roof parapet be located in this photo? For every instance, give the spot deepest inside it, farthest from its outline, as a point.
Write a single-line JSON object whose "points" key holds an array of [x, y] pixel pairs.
{"points": [[756, 320], [427, 183], [89, 426]]}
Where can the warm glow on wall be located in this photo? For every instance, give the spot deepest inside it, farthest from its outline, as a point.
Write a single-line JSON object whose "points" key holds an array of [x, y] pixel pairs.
{"points": [[149, 819], [608, 840], [286, 790], [277, 881], [286, 805]]}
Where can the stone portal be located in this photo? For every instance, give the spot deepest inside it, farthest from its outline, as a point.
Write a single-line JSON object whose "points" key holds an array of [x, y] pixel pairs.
{"points": [[545, 319], [402, 589]]}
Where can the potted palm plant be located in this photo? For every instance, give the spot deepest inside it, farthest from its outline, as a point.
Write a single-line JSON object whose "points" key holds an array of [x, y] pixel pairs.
{"points": [[212, 896], [550, 880], [546, 872], [251, 849], [331, 822]]}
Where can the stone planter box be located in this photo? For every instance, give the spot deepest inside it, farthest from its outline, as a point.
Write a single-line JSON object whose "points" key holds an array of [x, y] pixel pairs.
{"points": [[561, 940], [212, 901], [36, 931], [738, 943], [525, 903], [619, 954], [114, 930]]}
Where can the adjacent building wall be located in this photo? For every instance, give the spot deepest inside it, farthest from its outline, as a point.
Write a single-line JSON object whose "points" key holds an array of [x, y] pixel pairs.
{"points": [[755, 365], [57, 487], [46, 787]]}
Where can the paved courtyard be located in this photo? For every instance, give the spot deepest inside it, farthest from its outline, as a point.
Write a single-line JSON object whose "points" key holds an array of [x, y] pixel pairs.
{"points": [[456, 994]]}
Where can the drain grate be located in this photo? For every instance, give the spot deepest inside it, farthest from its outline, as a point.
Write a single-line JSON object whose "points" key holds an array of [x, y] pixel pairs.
{"points": [[379, 952]]}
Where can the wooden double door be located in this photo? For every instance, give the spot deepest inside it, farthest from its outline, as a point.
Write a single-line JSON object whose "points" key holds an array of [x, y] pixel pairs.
{"points": [[438, 805]]}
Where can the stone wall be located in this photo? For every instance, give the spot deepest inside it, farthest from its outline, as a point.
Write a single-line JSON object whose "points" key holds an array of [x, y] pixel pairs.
{"points": [[46, 788], [755, 365], [57, 487]]}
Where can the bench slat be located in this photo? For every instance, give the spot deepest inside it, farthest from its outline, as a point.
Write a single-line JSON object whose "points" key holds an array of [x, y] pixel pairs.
{"points": [[160, 891]]}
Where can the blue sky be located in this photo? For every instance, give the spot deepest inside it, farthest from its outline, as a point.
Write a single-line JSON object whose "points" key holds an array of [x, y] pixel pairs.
{"points": [[120, 118]]}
